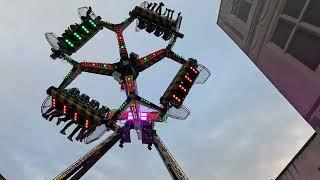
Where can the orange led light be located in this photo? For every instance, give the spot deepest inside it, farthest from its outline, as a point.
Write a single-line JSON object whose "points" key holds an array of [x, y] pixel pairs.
{"points": [[87, 124], [75, 117], [194, 70], [64, 109]]}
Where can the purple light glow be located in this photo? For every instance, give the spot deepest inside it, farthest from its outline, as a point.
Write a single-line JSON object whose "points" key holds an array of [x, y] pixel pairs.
{"points": [[143, 116]]}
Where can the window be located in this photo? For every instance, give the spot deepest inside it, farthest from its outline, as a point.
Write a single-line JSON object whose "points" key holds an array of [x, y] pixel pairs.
{"points": [[297, 33], [241, 9], [244, 10], [306, 48], [293, 8], [282, 33], [312, 15]]}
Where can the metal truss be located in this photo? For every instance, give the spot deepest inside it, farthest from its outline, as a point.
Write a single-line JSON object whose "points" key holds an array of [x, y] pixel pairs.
{"points": [[171, 164], [82, 165]]}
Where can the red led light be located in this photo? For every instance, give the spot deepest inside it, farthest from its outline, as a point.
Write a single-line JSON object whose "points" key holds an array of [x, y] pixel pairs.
{"points": [[121, 41], [54, 103]]}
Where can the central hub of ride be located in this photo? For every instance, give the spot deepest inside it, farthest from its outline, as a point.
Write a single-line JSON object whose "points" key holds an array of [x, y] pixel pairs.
{"points": [[125, 73], [127, 66]]}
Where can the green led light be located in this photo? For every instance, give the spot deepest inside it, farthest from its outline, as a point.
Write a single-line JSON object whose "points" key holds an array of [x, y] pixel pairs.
{"points": [[164, 119], [69, 42], [92, 23], [77, 36], [68, 75], [146, 101], [85, 29], [177, 55]]}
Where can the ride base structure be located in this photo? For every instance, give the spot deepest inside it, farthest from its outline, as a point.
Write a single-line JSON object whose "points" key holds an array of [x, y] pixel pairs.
{"points": [[92, 121]]}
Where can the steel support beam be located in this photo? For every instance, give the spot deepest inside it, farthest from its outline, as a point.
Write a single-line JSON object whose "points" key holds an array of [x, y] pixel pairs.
{"points": [[171, 164], [81, 166]]}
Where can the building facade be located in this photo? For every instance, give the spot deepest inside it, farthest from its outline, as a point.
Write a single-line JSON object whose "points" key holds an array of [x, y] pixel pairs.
{"points": [[282, 38], [306, 163]]}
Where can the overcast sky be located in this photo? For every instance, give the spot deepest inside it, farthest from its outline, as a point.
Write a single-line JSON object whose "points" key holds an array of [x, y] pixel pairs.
{"points": [[240, 126]]}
